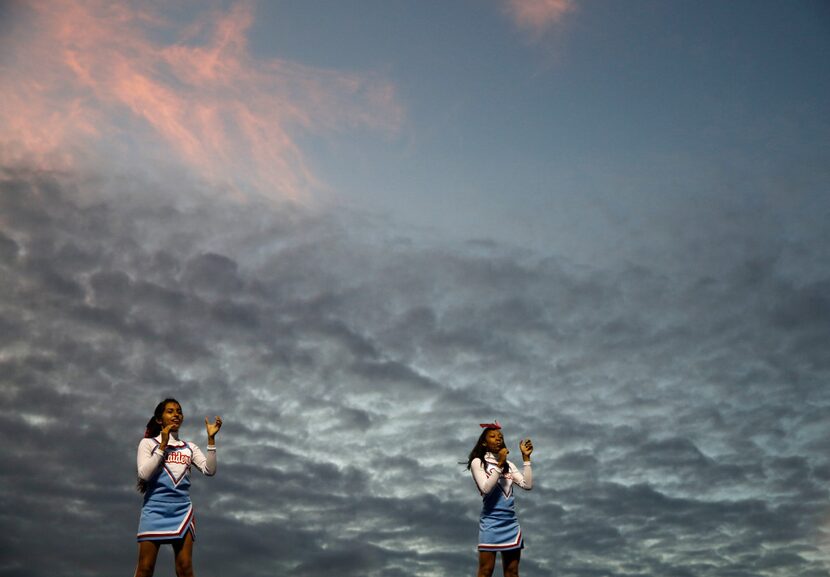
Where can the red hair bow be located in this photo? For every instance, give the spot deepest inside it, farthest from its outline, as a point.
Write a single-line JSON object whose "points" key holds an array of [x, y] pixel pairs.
{"points": [[493, 425]]}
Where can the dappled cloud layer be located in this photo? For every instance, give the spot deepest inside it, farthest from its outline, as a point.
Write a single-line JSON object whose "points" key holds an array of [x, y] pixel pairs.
{"points": [[677, 409], [678, 422]]}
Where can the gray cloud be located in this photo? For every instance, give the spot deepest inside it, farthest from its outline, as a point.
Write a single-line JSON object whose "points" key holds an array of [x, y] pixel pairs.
{"points": [[678, 419]]}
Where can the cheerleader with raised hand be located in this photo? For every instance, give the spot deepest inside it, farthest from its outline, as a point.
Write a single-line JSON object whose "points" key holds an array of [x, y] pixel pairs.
{"points": [[164, 462], [495, 477]]}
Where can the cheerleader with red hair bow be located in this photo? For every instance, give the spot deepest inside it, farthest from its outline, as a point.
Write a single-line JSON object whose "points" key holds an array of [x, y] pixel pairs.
{"points": [[495, 476]]}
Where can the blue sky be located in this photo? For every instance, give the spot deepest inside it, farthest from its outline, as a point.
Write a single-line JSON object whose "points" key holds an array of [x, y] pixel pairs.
{"points": [[617, 111], [358, 229]]}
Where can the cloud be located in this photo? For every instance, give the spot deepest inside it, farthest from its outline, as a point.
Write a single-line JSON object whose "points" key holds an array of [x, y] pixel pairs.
{"points": [[678, 412], [139, 86], [678, 420], [538, 16]]}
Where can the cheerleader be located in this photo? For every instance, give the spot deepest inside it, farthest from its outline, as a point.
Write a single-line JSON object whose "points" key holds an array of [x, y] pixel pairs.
{"points": [[164, 463], [495, 478]]}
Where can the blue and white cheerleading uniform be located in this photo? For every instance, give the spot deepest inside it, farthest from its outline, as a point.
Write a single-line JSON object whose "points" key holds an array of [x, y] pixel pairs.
{"points": [[498, 527], [167, 512]]}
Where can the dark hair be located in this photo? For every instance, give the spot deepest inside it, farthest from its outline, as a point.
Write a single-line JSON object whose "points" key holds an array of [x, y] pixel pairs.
{"points": [[480, 448], [153, 429], [153, 426]]}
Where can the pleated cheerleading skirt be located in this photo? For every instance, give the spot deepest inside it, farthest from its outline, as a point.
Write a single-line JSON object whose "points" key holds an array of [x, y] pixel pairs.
{"points": [[166, 520], [499, 534]]}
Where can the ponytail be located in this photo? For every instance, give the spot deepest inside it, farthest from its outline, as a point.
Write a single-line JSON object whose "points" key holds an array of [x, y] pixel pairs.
{"points": [[479, 450], [152, 429]]}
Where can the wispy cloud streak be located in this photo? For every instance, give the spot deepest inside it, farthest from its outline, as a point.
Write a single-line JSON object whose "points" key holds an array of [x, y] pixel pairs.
{"points": [[537, 16], [143, 87]]}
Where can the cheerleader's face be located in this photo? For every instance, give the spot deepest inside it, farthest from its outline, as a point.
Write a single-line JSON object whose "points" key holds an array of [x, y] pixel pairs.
{"points": [[494, 440], [172, 415]]}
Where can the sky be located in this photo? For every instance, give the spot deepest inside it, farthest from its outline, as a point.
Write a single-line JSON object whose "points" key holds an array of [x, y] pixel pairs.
{"points": [[358, 229]]}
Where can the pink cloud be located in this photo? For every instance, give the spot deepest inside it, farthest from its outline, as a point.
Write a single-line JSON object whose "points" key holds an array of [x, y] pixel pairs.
{"points": [[537, 16], [77, 75]]}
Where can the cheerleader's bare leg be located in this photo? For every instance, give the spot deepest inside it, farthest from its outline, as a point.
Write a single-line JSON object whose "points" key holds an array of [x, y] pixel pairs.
{"points": [[148, 551], [510, 562], [486, 563], [183, 550]]}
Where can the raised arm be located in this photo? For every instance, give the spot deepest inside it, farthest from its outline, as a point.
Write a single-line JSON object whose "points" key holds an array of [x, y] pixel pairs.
{"points": [[525, 478], [149, 459], [207, 465], [151, 454], [484, 482]]}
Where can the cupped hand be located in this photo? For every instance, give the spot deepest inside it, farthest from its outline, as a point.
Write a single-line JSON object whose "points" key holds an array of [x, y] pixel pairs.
{"points": [[526, 447], [213, 428], [165, 434]]}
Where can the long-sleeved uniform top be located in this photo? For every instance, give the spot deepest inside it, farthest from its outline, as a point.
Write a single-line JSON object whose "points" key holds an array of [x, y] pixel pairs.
{"points": [[489, 476], [167, 473]]}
